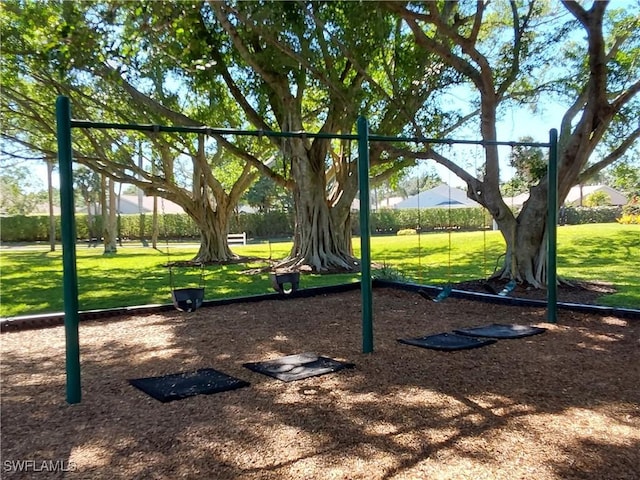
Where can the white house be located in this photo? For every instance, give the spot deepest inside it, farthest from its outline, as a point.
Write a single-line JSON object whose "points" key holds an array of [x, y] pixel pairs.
{"points": [[389, 202], [442, 196], [578, 194], [129, 205]]}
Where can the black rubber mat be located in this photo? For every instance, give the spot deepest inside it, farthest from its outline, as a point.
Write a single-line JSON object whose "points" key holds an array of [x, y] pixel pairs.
{"points": [[501, 331], [297, 367], [447, 342], [187, 384]]}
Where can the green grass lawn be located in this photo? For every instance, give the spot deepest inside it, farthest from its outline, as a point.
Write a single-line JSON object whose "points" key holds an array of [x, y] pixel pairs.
{"points": [[31, 279]]}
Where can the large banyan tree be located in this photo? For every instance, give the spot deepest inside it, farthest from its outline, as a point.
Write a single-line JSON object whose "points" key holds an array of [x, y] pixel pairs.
{"points": [[107, 80], [313, 67]]}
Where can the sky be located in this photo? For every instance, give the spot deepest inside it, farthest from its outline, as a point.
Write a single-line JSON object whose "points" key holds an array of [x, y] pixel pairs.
{"points": [[513, 125]]}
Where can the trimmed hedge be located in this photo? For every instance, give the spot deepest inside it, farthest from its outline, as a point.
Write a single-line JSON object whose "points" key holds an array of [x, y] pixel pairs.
{"points": [[391, 221], [281, 224], [21, 228], [34, 228], [582, 215], [263, 225]]}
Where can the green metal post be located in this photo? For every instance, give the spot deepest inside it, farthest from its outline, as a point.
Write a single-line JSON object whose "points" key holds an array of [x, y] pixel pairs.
{"points": [[552, 226], [365, 236], [68, 230]]}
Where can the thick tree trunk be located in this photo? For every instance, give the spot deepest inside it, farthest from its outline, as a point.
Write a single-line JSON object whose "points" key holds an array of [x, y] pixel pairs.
{"points": [[213, 223], [141, 224], [211, 208], [212, 248], [141, 230], [322, 241], [525, 238], [526, 258], [91, 208], [214, 227]]}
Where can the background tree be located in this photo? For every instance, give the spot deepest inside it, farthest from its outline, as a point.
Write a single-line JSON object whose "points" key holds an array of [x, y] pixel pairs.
{"points": [[82, 59], [87, 183], [625, 176], [417, 181], [16, 190], [51, 200], [108, 214], [267, 196], [530, 163], [597, 199]]}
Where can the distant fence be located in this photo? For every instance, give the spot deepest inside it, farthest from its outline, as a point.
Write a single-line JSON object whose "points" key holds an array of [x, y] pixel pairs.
{"points": [[237, 238]]}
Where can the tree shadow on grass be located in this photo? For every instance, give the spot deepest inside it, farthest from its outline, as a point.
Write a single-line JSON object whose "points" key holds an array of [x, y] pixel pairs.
{"points": [[619, 248]]}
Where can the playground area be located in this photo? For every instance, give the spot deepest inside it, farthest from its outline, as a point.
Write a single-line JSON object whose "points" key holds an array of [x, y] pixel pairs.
{"points": [[563, 404]]}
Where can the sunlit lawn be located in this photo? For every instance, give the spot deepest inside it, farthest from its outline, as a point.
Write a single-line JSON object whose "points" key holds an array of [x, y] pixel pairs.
{"points": [[32, 278]]}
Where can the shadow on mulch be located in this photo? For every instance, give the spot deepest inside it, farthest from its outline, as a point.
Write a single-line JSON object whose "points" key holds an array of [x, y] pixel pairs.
{"points": [[575, 292]]}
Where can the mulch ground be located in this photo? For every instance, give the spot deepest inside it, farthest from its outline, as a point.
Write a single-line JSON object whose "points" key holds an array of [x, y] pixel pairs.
{"points": [[561, 405]]}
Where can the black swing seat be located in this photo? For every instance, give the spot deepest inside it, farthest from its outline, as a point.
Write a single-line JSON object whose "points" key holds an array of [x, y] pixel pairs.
{"points": [[280, 279], [187, 299], [441, 297]]}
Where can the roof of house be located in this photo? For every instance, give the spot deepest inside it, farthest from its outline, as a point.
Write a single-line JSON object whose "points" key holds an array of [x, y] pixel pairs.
{"points": [[441, 196], [129, 205], [577, 194]]}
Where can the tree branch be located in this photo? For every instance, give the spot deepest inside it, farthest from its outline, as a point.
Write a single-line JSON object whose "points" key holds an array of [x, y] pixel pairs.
{"points": [[319, 74], [255, 162], [609, 159], [275, 82], [625, 96], [443, 51], [431, 154], [577, 11], [157, 107]]}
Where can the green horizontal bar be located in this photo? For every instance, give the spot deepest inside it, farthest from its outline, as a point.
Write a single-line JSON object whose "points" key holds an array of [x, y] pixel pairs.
{"points": [[270, 133], [207, 130], [450, 141]]}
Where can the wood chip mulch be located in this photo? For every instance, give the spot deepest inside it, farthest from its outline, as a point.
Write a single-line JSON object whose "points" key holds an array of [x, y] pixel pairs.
{"points": [[561, 405]]}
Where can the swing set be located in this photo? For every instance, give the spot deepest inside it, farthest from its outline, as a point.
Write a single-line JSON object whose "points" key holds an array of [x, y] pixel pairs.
{"points": [[65, 124], [446, 290]]}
